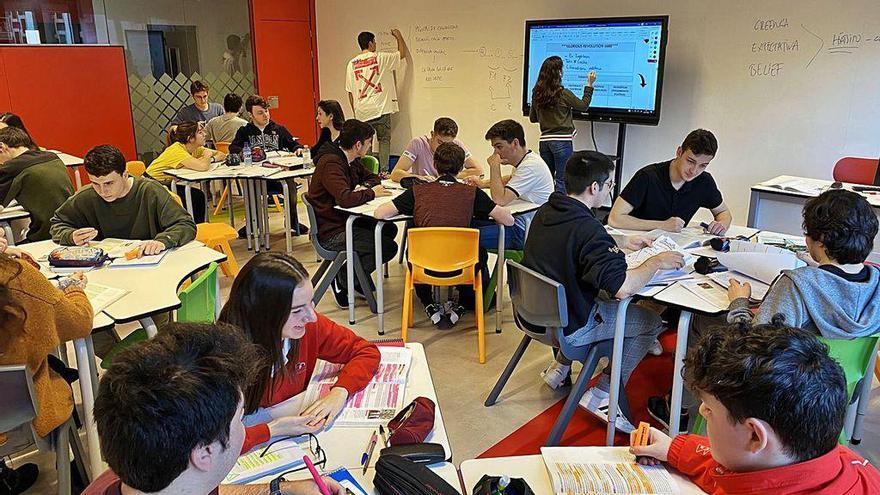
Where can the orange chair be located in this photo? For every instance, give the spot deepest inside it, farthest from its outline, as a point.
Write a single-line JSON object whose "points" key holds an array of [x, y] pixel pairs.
{"points": [[216, 236], [135, 168], [444, 249], [856, 170], [223, 147]]}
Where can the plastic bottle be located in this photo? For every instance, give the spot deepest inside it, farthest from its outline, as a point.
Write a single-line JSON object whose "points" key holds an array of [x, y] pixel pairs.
{"points": [[246, 156], [307, 157], [500, 488]]}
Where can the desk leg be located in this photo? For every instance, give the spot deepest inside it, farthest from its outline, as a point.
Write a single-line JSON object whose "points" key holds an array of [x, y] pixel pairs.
{"points": [[247, 211], [349, 265], [684, 326], [754, 204], [258, 214], [499, 279], [93, 366], [264, 189], [229, 203], [88, 400], [10, 235], [78, 180], [287, 204], [380, 282], [189, 198], [616, 358], [149, 326]]}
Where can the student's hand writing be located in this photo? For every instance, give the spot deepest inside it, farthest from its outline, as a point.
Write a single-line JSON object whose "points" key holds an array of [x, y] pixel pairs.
{"points": [[150, 248], [327, 408], [293, 426], [669, 260], [737, 290], [591, 78], [636, 242], [716, 228], [494, 160], [83, 235], [380, 191], [656, 451], [673, 224], [308, 487]]}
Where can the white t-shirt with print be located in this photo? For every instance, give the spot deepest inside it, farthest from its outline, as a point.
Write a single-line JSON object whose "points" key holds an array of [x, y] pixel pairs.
{"points": [[369, 78], [531, 181]]}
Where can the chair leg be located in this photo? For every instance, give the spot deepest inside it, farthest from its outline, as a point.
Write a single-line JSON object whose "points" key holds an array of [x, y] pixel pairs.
{"points": [[403, 244], [406, 315], [505, 375], [79, 455], [277, 202], [230, 266], [574, 396], [222, 201], [62, 459], [365, 282], [325, 264], [480, 316]]}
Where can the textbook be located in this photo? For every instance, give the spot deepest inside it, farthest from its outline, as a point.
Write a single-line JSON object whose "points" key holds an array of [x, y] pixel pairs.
{"points": [[102, 296], [282, 456], [604, 471], [379, 401], [138, 262]]}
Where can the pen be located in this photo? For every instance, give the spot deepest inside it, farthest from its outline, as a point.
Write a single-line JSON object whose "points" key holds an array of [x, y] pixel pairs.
{"points": [[369, 453], [384, 438], [317, 477]]}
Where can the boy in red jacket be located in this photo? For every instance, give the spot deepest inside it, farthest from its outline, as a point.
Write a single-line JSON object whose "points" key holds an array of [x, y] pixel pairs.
{"points": [[774, 403]]}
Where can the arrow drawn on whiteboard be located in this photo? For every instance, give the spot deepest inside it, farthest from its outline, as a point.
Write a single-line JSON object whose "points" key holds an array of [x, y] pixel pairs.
{"points": [[821, 44]]}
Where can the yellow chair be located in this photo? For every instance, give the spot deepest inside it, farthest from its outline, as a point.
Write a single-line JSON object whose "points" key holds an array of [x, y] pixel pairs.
{"points": [[223, 147], [216, 236], [135, 168], [444, 249]]}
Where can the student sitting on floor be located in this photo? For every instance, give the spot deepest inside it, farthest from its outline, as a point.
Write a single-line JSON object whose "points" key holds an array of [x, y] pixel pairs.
{"points": [[186, 149], [531, 180], [271, 300], [445, 203], [839, 298], [666, 195], [36, 317], [418, 158], [568, 244], [36, 179], [169, 415], [120, 206], [341, 179], [774, 403]]}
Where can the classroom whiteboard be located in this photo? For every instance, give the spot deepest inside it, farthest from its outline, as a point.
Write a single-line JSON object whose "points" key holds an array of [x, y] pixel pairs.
{"points": [[787, 86]]}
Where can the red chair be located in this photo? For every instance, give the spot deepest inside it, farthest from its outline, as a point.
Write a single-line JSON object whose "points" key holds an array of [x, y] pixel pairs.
{"points": [[856, 170]]}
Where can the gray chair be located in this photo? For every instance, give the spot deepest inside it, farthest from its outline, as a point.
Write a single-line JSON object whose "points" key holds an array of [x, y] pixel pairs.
{"points": [[540, 311], [19, 409], [332, 262]]}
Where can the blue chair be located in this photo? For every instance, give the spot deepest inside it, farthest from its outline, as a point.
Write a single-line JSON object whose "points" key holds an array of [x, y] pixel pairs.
{"points": [[540, 311]]}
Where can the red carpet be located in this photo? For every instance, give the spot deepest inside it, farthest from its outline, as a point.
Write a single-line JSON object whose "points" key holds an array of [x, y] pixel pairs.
{"points": [[653, 376]]}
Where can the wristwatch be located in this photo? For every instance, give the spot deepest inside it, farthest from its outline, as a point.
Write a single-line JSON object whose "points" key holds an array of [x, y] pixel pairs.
{"points": [[275, 487]]}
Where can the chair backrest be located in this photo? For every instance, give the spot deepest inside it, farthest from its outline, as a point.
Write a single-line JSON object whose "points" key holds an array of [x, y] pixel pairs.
{"points": [[853, 356], [443, 249], [313, 231], [222, 146], [539, 302], [371, 163], [19, 409], [199, 301], [135, 168], [856, 170]]}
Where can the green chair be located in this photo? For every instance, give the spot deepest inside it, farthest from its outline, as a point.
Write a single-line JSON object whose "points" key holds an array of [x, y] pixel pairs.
{"points": [[198, 303], [489, 293], [371, 162]]}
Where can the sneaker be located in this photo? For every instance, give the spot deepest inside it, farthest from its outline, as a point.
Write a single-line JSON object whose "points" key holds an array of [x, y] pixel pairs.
{"points": [[556, 374], [658, 408], [656, 349], [454, 311], [340, 294], [17, 480], [435, 313], [596, 402]]}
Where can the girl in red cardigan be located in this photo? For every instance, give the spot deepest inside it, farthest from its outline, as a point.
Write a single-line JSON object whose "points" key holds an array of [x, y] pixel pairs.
{"points": [[271, 300]]}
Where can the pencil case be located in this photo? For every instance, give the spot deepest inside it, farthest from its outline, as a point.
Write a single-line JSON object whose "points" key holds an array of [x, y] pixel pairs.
{"points": [[398, 476], [77, 257], [420, 453]]}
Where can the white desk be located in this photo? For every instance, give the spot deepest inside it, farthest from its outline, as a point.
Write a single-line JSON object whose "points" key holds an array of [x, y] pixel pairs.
{"points": [[531, 468], [781, 210], [152, 290], [255, 194], [7, 215], [445, 470]]}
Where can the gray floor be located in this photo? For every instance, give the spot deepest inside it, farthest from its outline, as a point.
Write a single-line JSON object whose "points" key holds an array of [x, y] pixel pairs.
{"points": [[461, 382]]}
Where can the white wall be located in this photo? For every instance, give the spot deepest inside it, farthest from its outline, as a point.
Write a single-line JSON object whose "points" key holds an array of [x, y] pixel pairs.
{"points": [[799, 121]]}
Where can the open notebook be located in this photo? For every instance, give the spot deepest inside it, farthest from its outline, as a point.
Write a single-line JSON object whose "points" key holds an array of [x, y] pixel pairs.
{"points": [[603, 471]]}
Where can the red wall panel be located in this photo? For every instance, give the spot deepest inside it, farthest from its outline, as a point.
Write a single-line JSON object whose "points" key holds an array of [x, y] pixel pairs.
{"points": [[281, 10], [70, 97]]}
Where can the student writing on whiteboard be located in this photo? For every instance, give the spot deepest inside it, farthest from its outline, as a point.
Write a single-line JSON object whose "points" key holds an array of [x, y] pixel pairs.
{"points": [[552, 105], [666, 195], [271, 301], [369, 81], [531, 181], [418, 158]]}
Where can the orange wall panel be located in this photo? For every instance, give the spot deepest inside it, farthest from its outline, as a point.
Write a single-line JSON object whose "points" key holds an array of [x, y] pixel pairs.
{"points": [[70, 97]]}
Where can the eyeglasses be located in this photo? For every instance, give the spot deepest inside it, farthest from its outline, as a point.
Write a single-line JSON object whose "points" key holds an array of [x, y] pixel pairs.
{"points": [[318, 454]]}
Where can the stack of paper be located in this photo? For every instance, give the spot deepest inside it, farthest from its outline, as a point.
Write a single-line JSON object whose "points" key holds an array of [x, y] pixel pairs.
{"points": [[661, 244], [759, 289], [759, 261], [282, 456], [603, 470], [708, 292], [799, 184], [379, 401]]}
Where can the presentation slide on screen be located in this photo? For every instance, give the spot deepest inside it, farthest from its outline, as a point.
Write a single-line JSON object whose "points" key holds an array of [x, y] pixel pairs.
{"points": [[625, 57]]}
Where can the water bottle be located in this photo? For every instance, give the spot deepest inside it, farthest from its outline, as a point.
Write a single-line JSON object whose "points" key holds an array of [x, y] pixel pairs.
{"points": [[307, 157], [502, 485], [246, 155]]}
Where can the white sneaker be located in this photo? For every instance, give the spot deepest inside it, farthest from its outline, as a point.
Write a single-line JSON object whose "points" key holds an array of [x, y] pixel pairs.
{"points": [[656, 349], [555, 374], [596, 401]]}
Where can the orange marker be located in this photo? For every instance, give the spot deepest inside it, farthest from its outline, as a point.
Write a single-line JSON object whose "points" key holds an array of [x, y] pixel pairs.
{"points": [[642, 435]]}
